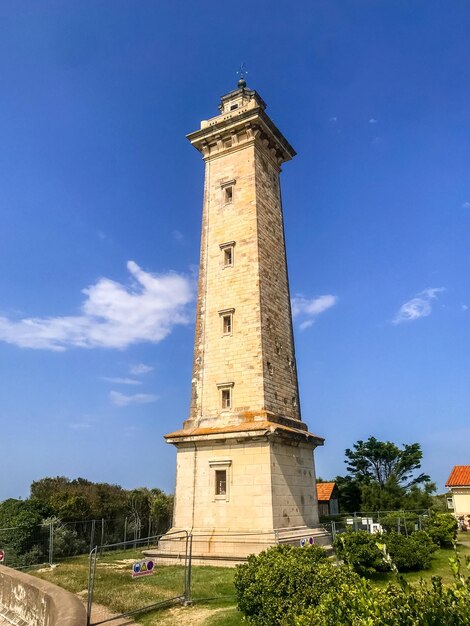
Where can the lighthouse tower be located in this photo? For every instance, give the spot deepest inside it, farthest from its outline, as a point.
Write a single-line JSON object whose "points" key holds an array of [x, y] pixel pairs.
{"points": [[245, 468]]}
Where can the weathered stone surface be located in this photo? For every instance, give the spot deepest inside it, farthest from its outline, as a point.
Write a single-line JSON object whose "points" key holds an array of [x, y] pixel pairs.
{"points": [[37, 602], [260, 440]]}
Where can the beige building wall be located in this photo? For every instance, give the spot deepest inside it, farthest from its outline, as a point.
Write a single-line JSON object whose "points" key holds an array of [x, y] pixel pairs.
{"points": [[293, 485], [461, 498], [248, 489], [271, 486]]}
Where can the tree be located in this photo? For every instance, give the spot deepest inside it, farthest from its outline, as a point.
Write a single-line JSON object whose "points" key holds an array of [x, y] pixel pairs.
{"points": [[22, 535], [383, 476], [385, 463], [349, 494]]}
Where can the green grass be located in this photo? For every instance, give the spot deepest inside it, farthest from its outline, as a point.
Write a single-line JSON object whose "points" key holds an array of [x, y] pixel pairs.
{"points": [[229, 617], [439, 567], [211, 587]]}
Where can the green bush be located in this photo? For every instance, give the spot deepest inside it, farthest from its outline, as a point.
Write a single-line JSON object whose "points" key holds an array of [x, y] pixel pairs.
{"points": [[358, 603], [283, 581], [399, 521], [359, 550], [410, 553], [442, 528]]}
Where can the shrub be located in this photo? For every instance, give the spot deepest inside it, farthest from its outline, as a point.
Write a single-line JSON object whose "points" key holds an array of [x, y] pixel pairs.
{"points": [[65, 540], [359, 550], [410, 553], [425, 604], [284, 581], [399, 521], [442, 528]]}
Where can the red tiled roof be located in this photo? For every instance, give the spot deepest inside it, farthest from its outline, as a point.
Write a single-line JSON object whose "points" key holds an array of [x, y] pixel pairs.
{"points": [[459, 476], [325, 491]]}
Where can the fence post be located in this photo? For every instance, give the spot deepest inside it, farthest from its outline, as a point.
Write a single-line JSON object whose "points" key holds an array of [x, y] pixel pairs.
{"points": [[188, 578], [51, 544], [125, 532], [355, 521], [91, 583], [92, 534], [333, 530], [102, 531]]}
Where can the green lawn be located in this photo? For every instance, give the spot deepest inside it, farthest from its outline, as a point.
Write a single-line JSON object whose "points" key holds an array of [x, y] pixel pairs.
{"points": [[439, 567], [211, 587]]}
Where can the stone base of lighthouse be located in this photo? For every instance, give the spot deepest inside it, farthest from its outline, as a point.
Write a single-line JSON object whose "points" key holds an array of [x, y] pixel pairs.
{"points": [[241, 489]]}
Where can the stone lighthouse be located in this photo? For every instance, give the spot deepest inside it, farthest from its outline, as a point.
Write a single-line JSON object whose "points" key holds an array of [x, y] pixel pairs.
{"points": [[245, 470]]}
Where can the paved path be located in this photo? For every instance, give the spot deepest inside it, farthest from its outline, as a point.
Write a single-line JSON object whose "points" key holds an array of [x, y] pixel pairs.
{"points": [[100, 613]]}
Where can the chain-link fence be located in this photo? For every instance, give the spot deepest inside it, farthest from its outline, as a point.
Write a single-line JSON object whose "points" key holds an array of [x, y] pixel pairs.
{"points": [[403, 521], [30, 545], [122, 582]]}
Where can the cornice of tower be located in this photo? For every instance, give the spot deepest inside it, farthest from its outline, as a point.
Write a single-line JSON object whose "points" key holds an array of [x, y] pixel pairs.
{"points": [[234, 129]]}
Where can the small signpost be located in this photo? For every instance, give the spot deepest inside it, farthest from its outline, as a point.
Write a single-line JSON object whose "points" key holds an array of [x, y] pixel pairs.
{"points": [[143, 568], [2, 556], [307, 541]]}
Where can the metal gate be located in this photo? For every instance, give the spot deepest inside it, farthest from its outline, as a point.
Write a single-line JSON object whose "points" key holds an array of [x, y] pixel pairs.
{"points": [[122, 582]]}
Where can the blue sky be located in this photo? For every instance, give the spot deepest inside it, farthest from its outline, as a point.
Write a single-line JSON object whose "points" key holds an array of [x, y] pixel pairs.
{"points": [[100, 207]]}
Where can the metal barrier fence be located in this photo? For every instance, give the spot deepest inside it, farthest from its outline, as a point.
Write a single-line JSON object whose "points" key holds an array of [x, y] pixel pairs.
{"points": [[404, 522], [148, 594], [30, 545]]}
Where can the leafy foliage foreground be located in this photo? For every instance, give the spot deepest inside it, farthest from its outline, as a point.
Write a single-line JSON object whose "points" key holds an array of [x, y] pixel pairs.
{"points": [[286, 586]]}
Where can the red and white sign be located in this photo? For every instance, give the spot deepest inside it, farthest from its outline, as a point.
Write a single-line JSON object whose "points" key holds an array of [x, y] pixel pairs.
{"points": [[2, 556]]}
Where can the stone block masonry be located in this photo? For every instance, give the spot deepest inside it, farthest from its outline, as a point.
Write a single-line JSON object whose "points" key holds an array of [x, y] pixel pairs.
{"points": [[245, 465]]}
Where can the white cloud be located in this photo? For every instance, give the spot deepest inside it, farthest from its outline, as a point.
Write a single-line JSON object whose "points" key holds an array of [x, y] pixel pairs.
{"points": [[122, 381], [112, 316], [310, 308], [120, 399], [466, 205], [178, 236], [333, 119], [417, 307], [373, 120], [140, 368], [464, 307]]}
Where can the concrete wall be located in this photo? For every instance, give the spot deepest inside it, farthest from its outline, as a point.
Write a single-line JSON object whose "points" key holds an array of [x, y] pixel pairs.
{"points": [[38, 602]]}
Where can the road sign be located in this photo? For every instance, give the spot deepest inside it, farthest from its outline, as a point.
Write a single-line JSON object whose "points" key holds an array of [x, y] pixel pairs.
{"points": [[2, 556], [307, 541], [142, 568]]}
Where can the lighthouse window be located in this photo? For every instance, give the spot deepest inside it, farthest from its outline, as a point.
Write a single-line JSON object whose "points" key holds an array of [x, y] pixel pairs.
{"points": [[226, 321], [220, 482], [228, 257], [228, 189], [220, 478], [228, 194], [227, 253], [226, 396], [227, 324]]}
